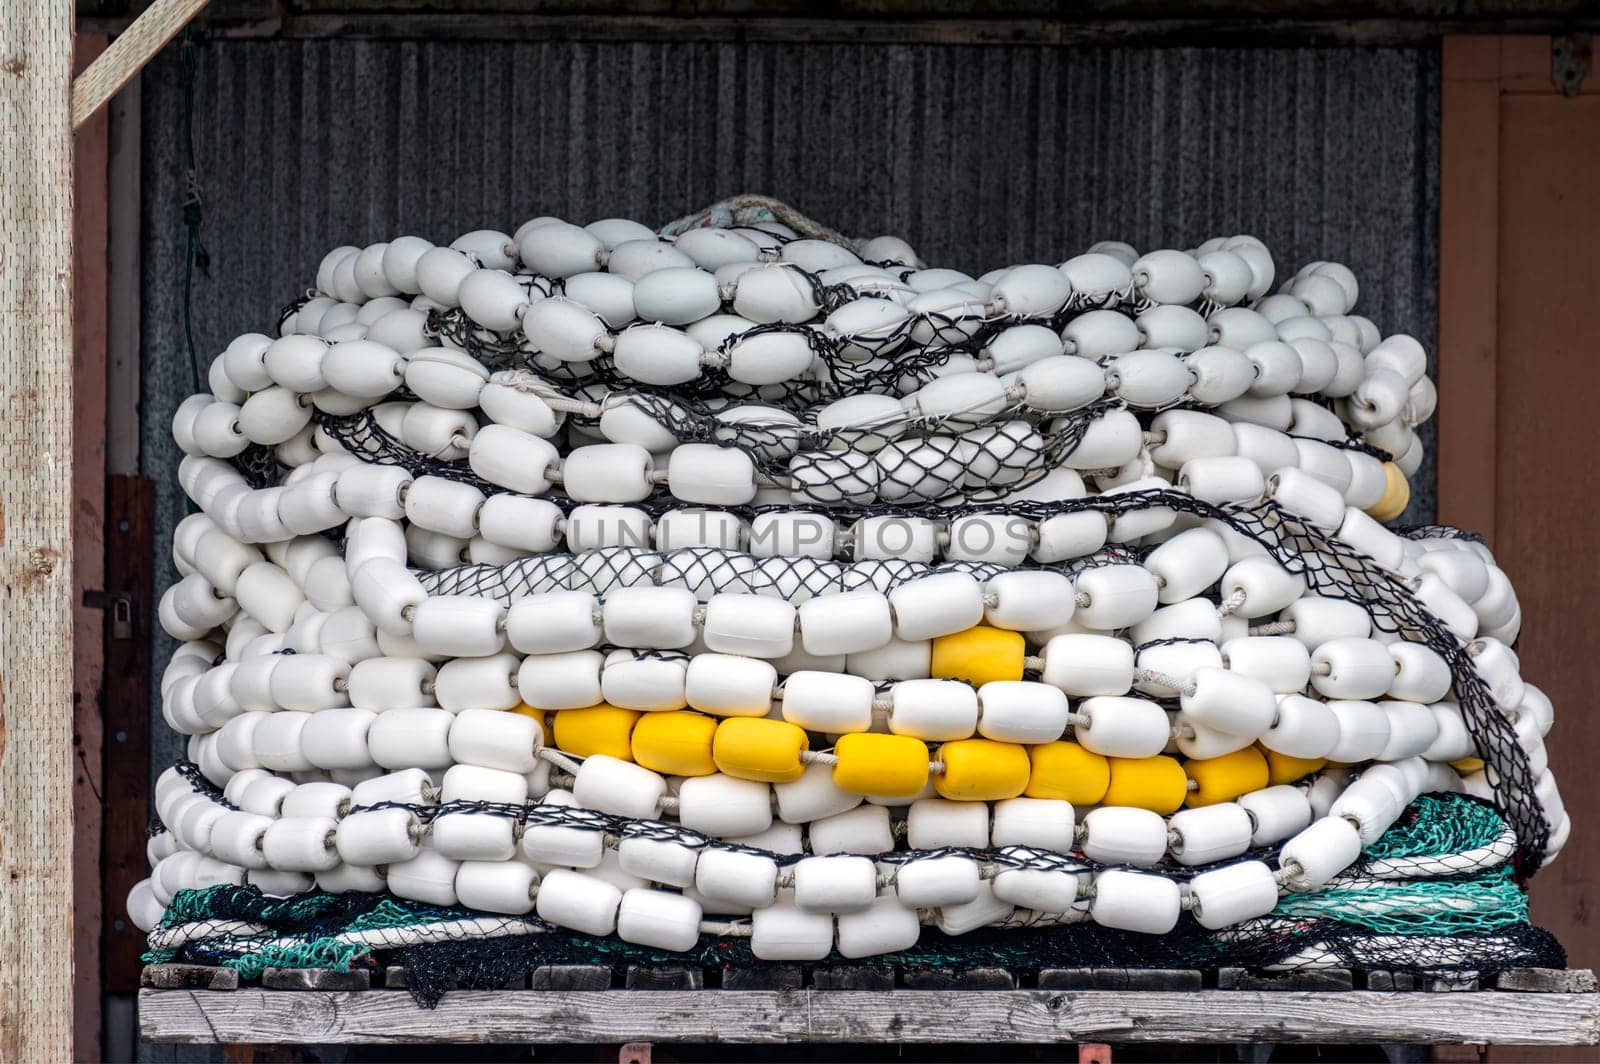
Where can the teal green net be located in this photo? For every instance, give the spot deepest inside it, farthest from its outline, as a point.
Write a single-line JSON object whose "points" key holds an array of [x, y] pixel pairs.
{"points": [[1482, 903], [1439, 825]]}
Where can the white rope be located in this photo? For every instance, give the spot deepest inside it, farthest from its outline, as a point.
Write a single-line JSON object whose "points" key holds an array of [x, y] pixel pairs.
{"points": [[750, 202]]}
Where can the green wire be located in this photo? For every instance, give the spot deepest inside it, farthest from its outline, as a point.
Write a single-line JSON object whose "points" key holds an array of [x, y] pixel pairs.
{"points": [[196, 257]]}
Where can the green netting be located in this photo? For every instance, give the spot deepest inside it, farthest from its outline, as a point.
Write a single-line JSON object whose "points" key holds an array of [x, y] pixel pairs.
{"points": [[397, 912], [318, 953], [319, 917], [312, 913], [1481, 903], [298, 912], [1436, 825]]}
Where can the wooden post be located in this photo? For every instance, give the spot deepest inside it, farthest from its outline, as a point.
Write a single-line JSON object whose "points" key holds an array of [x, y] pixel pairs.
{"points": [[36, 530]]}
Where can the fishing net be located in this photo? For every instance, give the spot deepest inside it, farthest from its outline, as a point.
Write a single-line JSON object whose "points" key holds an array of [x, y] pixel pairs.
{"points": [[550, 454], [835, 468], [1474, 920], [1330, 568]]}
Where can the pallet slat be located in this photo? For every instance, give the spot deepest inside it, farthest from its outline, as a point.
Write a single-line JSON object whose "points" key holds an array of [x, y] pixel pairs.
{"points": [[1122, 979], [1330, 979], [188, 977], [678, 977], [1548, 980], [571, 977], [312, 979], [766, 977], [972, 979], [843, 1016]]}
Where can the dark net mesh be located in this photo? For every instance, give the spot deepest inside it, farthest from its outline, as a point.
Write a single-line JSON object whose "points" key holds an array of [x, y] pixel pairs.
{"points": [[895, 358], [1444, 915], [1432, 895], [433, 969], [259, 466], [363, 930], [290, 309], [1436, 836], [1330, 568], [362, 435], [1437, 532], [824, 467]]}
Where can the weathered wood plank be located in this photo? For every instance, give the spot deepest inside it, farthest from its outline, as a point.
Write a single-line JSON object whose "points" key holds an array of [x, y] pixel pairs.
{"points": [[132, 49], [1132, 21], [1391, 981], [853, 977], [188, 977], [1306, 979], [571, 977], [841, 1016], [36, 555], [664, 977], [1547, 980], [948, 979], [765, 977], [1121, 979], [312, 979]]}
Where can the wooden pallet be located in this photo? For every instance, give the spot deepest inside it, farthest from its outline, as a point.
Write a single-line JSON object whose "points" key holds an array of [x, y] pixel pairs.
{"points": [[573, 1004]]}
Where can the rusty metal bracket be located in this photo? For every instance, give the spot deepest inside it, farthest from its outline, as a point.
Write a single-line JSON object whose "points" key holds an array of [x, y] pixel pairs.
{"points": [[1571, 56]]}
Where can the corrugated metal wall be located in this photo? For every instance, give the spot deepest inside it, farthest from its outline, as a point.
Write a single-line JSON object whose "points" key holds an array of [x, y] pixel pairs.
{"points": [[979, 155]]}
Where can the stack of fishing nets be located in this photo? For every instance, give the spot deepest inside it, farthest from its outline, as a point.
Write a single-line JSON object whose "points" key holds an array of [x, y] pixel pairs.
{"points": [[747, 592]]}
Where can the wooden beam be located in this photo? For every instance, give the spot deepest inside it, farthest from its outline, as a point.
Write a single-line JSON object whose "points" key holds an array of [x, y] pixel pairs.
{"points": [[1239, 24], [122, 295], [157, 25], [845, 1016], [1085, 10], [89, 229], [36, 764], [1469, 230]]}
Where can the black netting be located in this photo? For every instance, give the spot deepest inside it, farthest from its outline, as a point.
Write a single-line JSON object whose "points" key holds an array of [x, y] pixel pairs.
{"points": [[824, 467], [362, 435], [890, 360], [197, 781], [1440, 867], [434, 969], [1446, 912], [259, 466], [510, 947], [1435, 836], [292, 308], [1436, 532], [494, 350], [1330, 568]]}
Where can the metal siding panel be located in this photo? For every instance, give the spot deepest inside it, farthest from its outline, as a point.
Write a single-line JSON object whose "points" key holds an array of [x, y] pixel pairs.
{"points": [[979, 155]]}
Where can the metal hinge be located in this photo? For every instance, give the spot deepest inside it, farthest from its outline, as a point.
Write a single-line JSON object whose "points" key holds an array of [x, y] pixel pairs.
{"points": [[1570, 57]]}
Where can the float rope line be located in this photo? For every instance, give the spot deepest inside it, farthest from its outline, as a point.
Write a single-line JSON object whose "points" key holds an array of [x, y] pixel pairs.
{"points": [[1329, 567], [1438, 835]]}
